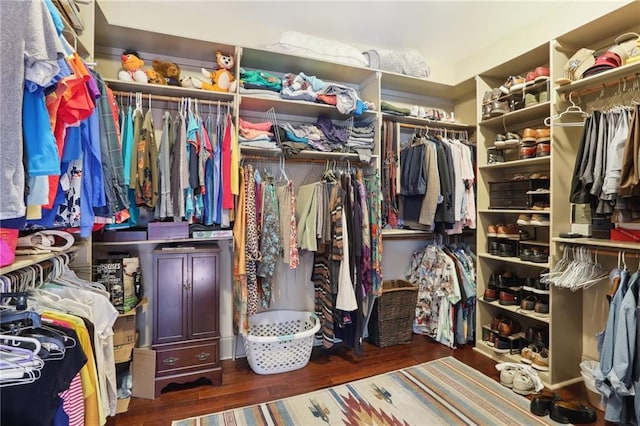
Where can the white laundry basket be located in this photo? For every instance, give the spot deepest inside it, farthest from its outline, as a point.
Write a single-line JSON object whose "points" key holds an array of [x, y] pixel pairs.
{"points": [[280, 341]]}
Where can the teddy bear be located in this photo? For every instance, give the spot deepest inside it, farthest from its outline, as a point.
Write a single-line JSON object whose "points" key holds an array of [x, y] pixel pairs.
{"points": [[155, 77], [222, 78], [132, 67], [170, 71]]}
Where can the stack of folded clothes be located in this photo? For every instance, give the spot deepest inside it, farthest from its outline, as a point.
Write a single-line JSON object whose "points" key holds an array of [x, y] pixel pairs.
{"points": [[257, 135]]}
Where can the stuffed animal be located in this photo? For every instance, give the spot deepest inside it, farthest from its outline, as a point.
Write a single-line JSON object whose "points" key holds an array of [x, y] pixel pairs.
{"points": [[222, 78], [155, 77], [170, 71], [132, 67]]}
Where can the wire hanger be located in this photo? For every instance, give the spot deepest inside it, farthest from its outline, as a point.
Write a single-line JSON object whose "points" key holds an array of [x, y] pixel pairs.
{"points": [[572, 109]]}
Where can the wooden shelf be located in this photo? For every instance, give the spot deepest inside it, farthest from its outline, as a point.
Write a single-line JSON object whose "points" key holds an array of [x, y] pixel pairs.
{"points": [[294, 107], [22, 261], [535, 112], [144, 242], [404, 234], [516, 310], [596, 81], [306, 155], [171, 91], [519, 211], [427, 123], [513, 260], [538, 161], [534, 242]]}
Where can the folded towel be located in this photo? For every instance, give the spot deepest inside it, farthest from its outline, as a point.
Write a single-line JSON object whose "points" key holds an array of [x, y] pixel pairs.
{"points": [[406, 61]]}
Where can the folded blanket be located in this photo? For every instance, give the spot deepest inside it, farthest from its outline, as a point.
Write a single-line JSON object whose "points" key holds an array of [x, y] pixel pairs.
{"points": [[406, 61], [296, 43]]}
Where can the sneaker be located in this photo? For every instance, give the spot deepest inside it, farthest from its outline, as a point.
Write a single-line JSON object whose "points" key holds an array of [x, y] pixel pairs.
{"points": [[530, 78], [524, 219], [523, 383], [541, 360], [506, 376], [506, 86], [494, 156], [539, 220]]}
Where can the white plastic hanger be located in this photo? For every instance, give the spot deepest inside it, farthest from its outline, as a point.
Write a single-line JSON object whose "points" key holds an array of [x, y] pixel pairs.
{"points": [[572, 111]]}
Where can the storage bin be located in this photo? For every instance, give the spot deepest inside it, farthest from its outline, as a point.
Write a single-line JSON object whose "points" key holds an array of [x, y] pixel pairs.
{"points": [[391, 321], [280, 341]]}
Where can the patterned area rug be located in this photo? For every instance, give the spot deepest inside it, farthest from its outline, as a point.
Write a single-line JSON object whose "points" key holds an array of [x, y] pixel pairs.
{"points": [[440, 392]]}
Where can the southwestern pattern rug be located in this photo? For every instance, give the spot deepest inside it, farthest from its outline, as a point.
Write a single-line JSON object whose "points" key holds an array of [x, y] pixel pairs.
{"points": [[441, 392]]}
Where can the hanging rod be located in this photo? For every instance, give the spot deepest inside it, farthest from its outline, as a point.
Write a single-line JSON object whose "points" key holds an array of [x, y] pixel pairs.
{"points": [[173, 98], [628, 252], [295, 159], [601, 86]]}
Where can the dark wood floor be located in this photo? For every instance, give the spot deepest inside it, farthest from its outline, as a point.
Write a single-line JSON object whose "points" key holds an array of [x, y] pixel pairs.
{"points": [[241, 386]]}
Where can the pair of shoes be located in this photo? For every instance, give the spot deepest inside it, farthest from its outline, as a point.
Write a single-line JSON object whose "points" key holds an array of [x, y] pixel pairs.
{"points": [[499, 141], [526, 254], [506, 250], [540, 360], [494, 248], [538, 75], [508, 327], [512, 139], [528, 354], [539, 220], [538, 336], [531, 135], [527, 151], [521, 379], [492, 230], [524, 219], [507, 231], [540, 205], [541, 403], [417, 111], [490, 294]]}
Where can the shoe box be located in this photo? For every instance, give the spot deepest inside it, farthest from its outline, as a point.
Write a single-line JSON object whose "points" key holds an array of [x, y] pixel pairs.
{"points": [[513, 194]]}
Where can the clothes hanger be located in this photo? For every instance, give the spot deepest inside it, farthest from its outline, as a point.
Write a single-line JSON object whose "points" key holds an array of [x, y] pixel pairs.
{"points": [[572, 110]]}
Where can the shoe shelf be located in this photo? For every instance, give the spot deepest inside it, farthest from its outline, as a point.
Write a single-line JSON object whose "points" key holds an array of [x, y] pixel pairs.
{"points": [[597, 81], [516, 260], [517, 310], [518, 117], [489, 352], [536, 161]]}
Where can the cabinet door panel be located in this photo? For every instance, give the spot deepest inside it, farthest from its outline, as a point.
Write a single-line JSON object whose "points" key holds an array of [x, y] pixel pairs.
{"points": [[204, 310], [170, 299]]}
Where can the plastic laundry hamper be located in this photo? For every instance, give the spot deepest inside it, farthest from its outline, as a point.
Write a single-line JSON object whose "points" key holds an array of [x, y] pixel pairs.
{"points": [[280, 341]]}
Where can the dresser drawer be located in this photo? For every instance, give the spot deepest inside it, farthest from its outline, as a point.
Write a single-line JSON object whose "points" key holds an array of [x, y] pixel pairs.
{"points": [[185, 355]]}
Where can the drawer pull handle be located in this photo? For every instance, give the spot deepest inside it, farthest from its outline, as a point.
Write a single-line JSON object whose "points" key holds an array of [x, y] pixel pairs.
{"points": [[171, 360], [203, 355]]}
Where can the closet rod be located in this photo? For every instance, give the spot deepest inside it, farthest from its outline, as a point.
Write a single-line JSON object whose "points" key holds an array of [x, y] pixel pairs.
{"points": [[439, 129], [610, 252], [275, 159], [173, 98], [599, 87]]}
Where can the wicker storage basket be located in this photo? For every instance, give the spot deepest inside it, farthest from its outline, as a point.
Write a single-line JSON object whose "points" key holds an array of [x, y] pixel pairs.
{"points": [[391, 321]]}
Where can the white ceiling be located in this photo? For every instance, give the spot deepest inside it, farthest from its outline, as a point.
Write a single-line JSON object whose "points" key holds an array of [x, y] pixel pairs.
{"points": [[446, 33]]}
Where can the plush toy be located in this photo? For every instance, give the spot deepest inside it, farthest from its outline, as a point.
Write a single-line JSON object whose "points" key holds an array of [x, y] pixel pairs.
{"points": [[222, 78], [170, 71], [155, 77], [132, 67]]}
